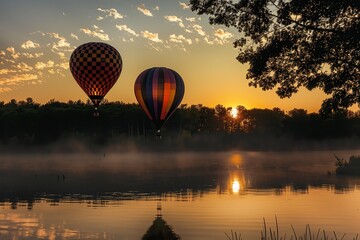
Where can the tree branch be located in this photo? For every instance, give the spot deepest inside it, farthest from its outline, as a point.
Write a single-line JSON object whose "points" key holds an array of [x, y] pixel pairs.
{"points": [[307, 26]]}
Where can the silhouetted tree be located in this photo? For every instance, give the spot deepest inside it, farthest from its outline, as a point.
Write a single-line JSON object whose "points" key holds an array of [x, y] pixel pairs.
{"points": [[266, 121], [292, 44], [27, 122]]}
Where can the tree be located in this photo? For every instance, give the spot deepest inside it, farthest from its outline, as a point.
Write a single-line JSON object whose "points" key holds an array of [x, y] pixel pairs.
{"points": [[291, 44]]}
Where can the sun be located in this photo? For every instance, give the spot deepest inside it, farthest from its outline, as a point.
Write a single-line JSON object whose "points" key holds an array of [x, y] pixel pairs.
{"points": [[234, 112]]}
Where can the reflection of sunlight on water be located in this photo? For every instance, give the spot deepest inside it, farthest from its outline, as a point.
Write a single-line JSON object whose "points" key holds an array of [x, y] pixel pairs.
{"points": [[236, 180], [236, 183], [31, 225], [235, 186], [236, 160]]}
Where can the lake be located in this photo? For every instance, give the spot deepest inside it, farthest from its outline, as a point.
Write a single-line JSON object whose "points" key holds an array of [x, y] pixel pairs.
{"points": [[202, 195]]}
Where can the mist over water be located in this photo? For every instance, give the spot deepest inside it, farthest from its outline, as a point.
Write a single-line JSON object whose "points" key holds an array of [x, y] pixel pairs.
{"points": [[112, 194], [161, 172]]}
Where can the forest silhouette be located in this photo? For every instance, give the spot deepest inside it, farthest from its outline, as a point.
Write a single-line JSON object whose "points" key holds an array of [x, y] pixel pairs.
{"points": [[27, 123]]}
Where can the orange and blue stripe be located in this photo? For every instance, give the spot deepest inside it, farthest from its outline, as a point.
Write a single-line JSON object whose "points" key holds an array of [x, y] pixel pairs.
{"points": [[159, 91]]}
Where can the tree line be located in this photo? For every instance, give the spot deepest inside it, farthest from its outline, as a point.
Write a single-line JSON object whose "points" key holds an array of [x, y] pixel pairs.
{"points": [[30, 123]]}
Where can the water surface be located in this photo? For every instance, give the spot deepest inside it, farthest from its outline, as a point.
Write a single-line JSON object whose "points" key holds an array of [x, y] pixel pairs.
{"points": [[202, 195]]}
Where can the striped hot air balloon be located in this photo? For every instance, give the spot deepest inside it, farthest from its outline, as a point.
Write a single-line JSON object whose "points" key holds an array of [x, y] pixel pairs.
{"points": [[96, 67], [159, 91]]}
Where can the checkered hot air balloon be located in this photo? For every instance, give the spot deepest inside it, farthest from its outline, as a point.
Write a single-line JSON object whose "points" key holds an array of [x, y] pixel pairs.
{"points": [[96, 67], [159, 91]]}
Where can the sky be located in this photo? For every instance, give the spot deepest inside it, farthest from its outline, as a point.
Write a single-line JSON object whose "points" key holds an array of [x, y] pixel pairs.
{"points": [[38, 37]]}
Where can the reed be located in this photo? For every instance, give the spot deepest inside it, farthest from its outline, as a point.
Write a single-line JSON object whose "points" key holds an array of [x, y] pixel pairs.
{"points": [[269, 233], [234, 236]]}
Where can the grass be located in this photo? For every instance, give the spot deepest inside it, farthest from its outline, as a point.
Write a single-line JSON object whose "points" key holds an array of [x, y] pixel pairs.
{"points": [[234, 236], [273, 234]]}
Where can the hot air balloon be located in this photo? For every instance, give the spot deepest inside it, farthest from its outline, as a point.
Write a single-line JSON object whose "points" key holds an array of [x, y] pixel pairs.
{"points": [[96, 67], [159, 91]]}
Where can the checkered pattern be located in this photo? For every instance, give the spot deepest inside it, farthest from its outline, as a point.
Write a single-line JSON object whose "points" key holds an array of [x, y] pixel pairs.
{"points": [[96, 67]]}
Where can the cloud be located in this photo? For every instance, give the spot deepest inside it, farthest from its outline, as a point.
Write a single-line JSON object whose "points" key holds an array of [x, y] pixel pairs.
{"points": [[61, 54], [62, 43], [9, 61], [184, 5], [38, 32], [191, 19], [30, 44], [156, 8], [14, 54], [175, 19], [2, 53], [151, 36], [30, 55], [5, 89], [6, 71], [98, 33], [112, 12], [145, 11], [99, 18], [24, 67], [127, 40], [42, 65], [180, 39], [18, 78], [74, 36], [64, 65], [208, 41], [11, 50], [199, 30], [152, 46], [223, 35], [126, 29]]}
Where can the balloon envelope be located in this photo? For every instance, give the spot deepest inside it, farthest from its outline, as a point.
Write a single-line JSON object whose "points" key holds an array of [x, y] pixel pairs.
{"points": [[96, 67], [159, 91]]}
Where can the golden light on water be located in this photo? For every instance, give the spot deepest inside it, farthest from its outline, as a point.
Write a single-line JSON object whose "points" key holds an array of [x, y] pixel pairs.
{"points": [[236, 159], [235, 186]]}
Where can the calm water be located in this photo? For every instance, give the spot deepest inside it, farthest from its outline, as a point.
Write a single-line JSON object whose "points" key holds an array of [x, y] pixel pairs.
{"points": [[202, 195]]}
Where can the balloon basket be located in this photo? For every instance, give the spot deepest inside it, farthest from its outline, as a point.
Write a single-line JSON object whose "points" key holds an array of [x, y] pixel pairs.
{"points": [[96, 113], [158, 134]]}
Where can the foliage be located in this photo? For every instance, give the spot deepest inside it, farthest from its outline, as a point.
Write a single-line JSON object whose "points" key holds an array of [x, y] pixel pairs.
{"points": [[27, 123], [340, 162], [291, 44], [351, 167]]}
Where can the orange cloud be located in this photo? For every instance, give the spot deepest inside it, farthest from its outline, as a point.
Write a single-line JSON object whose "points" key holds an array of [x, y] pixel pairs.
{"points": [[151, 36], [30, 44], [145, 11], [98, 33]]}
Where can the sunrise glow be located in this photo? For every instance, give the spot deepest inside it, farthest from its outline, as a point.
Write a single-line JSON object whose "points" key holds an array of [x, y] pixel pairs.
{"points": [[234, 112], [34, 59]]}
